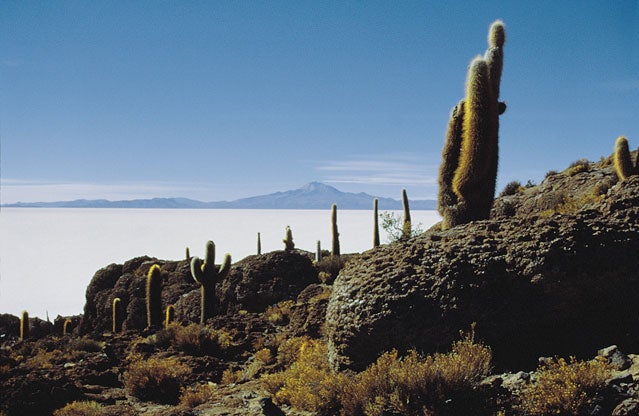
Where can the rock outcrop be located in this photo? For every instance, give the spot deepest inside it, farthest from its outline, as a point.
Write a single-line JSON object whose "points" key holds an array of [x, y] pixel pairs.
{"points": [[252, 284], [536, 282]]}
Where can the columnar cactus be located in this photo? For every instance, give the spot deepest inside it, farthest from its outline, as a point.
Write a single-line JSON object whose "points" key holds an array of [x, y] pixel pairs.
{"points": [[375, 223], [116, 315], [188, 254], [318, 252], [66, 326], [154, 297], [335, 249], [259, 244], [207, 274], [623, 161], [169, 315], [406, 229], [289, 245], [468, 172], [24, 325]]}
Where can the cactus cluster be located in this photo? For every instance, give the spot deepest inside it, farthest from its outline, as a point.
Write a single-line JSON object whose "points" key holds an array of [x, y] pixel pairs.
{"points": [[207, 274], [623, 161], [468, 172]]}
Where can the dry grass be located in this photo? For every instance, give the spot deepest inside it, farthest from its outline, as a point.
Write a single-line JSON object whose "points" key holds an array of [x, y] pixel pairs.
{"points": [[155, 379], [81, 409], [279, 314], [565, 388], [200, 394], [417, 385]]}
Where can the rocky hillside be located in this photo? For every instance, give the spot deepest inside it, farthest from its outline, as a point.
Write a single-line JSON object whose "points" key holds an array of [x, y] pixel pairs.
{"points": [[552, 273]]}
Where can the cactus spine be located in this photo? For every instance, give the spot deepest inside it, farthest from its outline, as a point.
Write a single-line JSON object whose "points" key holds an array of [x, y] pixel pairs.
{"points": [[335, 249], [468, 172], [623, 161], [116, 315], [375, 223], [207, 274], [406, 229], [169, 315], [154, 297], [24, 325], [259, 244], [66, 326]]}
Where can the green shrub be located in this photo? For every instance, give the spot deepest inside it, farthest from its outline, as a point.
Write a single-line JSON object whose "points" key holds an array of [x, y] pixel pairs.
{"points": [[394, 226]]}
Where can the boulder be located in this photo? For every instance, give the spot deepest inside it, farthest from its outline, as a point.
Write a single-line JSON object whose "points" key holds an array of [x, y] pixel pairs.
{"points": [[535, 284]]}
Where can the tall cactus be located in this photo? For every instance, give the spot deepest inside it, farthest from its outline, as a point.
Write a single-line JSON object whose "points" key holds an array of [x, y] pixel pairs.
{"points": [[407, 227], [116, 315], [259, 244], [207, 274], [188, 254], [289, 245], [24, 325], [468, 173], [154, 297], [623, 161], [375, 223], [169, 315], [335, 249], [318, 252], [66, 326]]}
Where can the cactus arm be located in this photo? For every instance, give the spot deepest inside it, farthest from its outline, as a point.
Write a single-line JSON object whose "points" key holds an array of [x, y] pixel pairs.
{"points": [[225, 267]]}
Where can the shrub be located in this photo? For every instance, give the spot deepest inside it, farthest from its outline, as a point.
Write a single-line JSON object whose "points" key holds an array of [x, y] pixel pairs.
{"points": [[194, 339], [329, 267], [86, 344], [578, 166], [394, 226], [512, 188], [416, 385], [309, 384], [565, 388], [81, 409], [200, 394], [551, 173], [279, 314], [155, 379]]}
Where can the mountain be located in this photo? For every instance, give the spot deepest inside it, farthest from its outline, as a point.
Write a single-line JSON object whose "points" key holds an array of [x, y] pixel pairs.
{"points": [[314, 195]]}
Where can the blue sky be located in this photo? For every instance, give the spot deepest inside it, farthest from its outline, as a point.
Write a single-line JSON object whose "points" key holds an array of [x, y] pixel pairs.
{"points": [[218, 100]]}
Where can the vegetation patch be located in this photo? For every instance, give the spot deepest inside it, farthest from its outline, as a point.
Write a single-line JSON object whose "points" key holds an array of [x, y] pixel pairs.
{"points": [[155, 379]]}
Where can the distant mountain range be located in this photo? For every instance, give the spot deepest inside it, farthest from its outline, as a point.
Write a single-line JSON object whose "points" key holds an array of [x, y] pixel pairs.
{"points": [[314, 195]]}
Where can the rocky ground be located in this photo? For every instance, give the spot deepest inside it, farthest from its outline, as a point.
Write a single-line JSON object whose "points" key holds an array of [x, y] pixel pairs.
{"points": [[552, 273]]}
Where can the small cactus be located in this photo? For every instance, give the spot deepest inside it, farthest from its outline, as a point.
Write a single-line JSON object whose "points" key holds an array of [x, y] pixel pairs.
{"points": [[623, 161], [169, 315], [259, 244], [188, 254], [289, 245], [24, 325], [116, 315], [406, 229], [207, 274], [335, 249], [154, 297], [375, 223], [66, 326]]}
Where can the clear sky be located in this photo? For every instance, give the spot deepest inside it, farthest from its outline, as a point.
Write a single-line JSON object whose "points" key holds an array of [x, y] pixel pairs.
{"points": [[218, 100]]}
